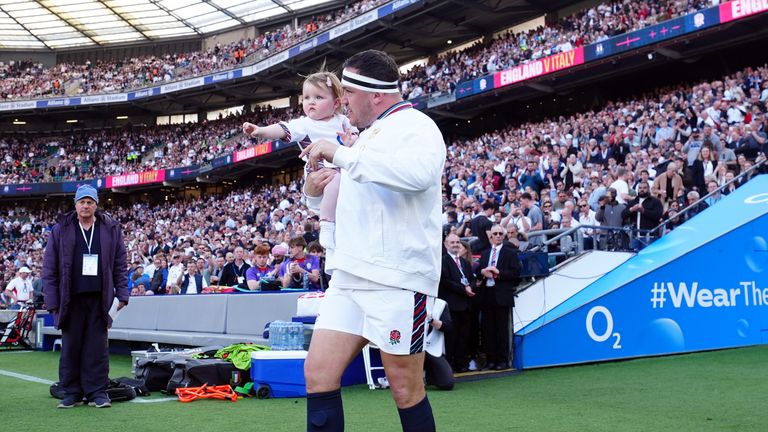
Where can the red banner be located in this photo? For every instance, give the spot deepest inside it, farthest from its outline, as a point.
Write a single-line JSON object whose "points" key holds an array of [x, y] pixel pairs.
{"points": [[741, 8], [134, 179], [252, 152], [539, 67]]}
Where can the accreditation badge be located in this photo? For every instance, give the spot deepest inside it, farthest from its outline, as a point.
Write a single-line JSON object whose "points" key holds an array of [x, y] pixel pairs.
{"points": [[90, 265]]}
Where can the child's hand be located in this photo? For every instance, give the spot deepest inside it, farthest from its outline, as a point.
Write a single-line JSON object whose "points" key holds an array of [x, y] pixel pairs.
{"points": [[250, 129], [348, 137]]}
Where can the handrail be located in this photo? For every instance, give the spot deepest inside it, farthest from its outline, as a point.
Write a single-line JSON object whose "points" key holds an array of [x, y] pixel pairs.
{"points": [[686, 209]]}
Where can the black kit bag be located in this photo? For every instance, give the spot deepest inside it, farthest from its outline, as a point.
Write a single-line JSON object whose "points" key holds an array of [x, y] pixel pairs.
{"points": [[154, 373], [117, 391], [213, 372]]}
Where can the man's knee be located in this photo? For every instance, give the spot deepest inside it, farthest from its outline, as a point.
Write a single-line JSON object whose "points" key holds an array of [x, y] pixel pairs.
{"points": [[319, 376], [407, 387]]}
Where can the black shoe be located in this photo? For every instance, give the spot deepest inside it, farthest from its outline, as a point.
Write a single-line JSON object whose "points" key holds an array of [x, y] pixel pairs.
{"points": [[70, 402], [501, 366], [489, 366]]}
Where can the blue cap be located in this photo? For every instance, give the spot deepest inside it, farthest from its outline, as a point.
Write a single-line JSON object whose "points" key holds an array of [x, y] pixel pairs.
{"points": [[86, 191]]}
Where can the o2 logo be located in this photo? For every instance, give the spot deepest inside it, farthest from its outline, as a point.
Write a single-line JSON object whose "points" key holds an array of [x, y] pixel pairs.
{"points": [[608, 332]]}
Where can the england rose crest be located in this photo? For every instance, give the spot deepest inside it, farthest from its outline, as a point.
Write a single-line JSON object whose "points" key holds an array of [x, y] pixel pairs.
{"points": [[394, 337]]}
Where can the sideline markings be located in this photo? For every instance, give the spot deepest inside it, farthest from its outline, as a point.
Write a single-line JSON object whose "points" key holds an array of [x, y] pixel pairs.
{"points": [[31, 378]]}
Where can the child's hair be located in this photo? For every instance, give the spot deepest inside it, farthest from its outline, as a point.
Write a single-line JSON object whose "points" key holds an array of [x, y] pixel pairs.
{"points": [[328, 80]]}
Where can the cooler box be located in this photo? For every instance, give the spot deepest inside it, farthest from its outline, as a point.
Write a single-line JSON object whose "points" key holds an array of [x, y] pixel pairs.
{"points": [[280, 374]]}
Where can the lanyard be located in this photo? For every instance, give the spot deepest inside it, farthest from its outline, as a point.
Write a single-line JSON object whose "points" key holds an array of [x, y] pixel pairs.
{"points": [[88, 242]]}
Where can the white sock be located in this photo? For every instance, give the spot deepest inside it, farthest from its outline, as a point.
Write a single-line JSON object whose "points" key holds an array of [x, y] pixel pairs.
{"points": [[328, 234]]}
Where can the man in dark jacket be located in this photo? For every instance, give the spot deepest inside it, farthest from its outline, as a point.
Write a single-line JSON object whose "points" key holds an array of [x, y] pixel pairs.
{"points": [[499, 275], [457, 288], [84, 271], [644, 213]]}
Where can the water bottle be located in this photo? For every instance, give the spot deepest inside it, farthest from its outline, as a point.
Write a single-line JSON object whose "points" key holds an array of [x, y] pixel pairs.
{"points": [[276, 335], [285, 340], [291, 336], [299, 336], [305, 283], [273, 335]]}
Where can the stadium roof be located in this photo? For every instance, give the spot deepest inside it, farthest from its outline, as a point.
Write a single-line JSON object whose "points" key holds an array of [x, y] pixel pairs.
{"points": [[54, 24]]}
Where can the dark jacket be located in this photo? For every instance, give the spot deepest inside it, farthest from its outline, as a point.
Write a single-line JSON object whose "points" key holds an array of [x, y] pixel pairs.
{"points": [[156, 285], [198, 282], [451, 289], [508, 264], [229, 275], [653, 210], [57, 265]]}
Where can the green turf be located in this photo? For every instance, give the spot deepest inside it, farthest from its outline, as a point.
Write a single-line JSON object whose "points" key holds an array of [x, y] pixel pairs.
{"points": [[715, 391]]}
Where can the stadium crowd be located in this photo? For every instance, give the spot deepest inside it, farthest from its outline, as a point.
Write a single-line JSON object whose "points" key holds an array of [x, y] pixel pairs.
{"points": [[684, 141], [510, 49], [132, 149], [26, 79]]}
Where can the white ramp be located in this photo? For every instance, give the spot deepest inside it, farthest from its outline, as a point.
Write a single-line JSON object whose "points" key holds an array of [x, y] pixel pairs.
{"points": [[566, 281]]}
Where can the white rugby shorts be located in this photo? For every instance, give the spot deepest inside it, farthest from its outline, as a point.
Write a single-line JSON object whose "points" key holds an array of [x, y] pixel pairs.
{"points": [[395, 320]]}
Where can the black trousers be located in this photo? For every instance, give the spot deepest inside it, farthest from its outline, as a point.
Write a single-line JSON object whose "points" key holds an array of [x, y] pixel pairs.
{"points": [[457, 340], [495, 322], [84, 362], [438, 372]]}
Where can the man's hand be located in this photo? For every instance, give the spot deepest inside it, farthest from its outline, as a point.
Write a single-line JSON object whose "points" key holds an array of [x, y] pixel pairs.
{"points": [[468, 290], [121, 305], [250, 129], [317, 181], [320, 149]]}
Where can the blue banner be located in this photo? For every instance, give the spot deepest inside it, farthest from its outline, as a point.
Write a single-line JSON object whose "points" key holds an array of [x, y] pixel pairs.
{"points": [[464, 89], [71, 186], [50, 103], [703, 286], [223, 76], [139, 94], [656, 33], [180, 173]]}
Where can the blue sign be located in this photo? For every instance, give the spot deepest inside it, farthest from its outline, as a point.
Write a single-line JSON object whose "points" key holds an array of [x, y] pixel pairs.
{"points": [[656, 33], [139, 94], [465, 89], [50, 103], [223, 76], [703, 286], [180, 173]]}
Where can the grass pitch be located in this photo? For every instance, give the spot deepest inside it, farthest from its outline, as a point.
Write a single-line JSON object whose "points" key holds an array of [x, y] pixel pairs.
{"points": [[714, 391]]}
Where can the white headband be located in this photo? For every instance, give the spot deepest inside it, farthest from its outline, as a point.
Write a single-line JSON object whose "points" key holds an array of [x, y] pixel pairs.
{"points": [[362, 82]]}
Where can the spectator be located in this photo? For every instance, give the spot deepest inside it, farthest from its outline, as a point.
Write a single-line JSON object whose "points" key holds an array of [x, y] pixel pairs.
{"points": [[20, 289], [456, 288], [301, 270], [645, 211], [499, 277], [191, 281], [233, 274], [260, 269]]}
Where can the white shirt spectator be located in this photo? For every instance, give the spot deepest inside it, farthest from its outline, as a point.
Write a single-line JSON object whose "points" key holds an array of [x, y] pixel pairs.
{"points": [[22, 288]]}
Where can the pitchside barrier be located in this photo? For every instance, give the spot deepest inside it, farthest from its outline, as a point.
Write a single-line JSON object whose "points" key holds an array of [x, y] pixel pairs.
{"points": [[198, 320]]}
